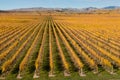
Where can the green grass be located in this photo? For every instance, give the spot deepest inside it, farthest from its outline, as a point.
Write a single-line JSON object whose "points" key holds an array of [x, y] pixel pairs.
{"points": [[56, 57], [74, 76]]}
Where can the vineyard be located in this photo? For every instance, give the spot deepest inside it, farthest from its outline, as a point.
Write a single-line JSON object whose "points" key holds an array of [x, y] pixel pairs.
{"points": [[75, 47]]}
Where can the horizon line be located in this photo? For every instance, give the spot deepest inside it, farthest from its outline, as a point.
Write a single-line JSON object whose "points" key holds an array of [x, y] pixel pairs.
{"points": [[58, 7]]}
